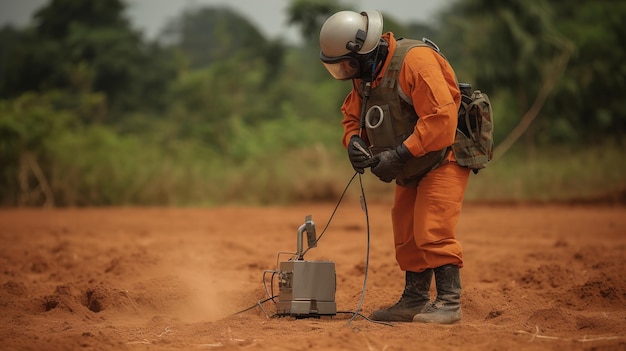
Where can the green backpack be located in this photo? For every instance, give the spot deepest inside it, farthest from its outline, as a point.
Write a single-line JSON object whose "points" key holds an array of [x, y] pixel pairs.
{"points": [[473, 143]]}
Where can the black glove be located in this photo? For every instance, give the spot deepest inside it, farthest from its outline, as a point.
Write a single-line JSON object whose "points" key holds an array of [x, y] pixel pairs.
{"points": [[391, 162], [359, 155]]}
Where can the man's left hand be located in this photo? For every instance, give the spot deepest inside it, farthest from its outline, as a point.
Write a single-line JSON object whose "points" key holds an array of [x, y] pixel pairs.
{"points": [[390, 163]]}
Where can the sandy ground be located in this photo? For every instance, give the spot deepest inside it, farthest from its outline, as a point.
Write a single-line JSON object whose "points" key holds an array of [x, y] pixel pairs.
{"points": [[535, 278]]}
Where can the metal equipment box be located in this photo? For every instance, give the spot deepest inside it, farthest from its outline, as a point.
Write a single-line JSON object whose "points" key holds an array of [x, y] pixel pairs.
{"points": [[307, 289]]}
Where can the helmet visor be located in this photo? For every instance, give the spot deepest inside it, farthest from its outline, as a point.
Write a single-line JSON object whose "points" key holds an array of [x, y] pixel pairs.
{"points": [[341, 68]]}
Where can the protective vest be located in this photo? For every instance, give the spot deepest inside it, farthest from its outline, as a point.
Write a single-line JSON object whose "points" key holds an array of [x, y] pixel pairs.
{"points": [[390, 118]]}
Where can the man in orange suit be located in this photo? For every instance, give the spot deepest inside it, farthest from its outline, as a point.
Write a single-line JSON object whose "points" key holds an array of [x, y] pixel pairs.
{"points": [[400, 120]]}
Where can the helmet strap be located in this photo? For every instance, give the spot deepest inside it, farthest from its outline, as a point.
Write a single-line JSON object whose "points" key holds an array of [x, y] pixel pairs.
{"points": [[370, 64]]}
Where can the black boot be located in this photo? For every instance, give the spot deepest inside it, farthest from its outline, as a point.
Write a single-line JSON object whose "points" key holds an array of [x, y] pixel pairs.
{"points": [[447, 307], [416, 295]]}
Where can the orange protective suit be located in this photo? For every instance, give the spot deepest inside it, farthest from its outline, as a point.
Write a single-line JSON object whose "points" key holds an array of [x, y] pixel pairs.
{"points": [[424, 218]]}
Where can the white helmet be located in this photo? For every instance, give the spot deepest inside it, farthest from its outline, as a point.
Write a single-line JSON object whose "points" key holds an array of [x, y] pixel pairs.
{"points": [[344, 36]]}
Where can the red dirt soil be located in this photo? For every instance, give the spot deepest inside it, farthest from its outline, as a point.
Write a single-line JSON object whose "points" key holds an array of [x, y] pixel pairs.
{"points": [[535, 278]]}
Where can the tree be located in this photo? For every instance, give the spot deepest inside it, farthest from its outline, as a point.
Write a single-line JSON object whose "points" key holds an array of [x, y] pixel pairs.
{"points": [[589, 101], [310, 15], [207, 35], [89, 46], [508, 46]]}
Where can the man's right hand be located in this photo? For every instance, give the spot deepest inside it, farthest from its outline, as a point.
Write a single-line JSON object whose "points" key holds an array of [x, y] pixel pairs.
{"points": [[359, 155]]}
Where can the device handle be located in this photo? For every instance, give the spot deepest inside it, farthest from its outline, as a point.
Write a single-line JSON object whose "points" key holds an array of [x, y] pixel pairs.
{"points": [[309, 228]]}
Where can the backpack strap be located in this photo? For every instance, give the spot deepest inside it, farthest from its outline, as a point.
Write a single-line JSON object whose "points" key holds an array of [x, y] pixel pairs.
{"points": [[478, 99], [425, 42]]}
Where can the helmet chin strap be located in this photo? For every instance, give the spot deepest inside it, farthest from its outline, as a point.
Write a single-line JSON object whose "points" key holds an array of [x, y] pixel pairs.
{"points": [[371, 62]]}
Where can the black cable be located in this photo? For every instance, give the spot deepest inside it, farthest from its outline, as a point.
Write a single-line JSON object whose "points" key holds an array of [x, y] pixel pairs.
{"points": [[258, 303], [366, 318], [367, 256], [367, 221], [271, 292], [333, 213], [357, 312]]}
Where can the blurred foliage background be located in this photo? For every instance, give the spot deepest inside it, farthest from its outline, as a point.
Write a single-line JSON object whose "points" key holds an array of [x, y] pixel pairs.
{"points": [[212, 113]]}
